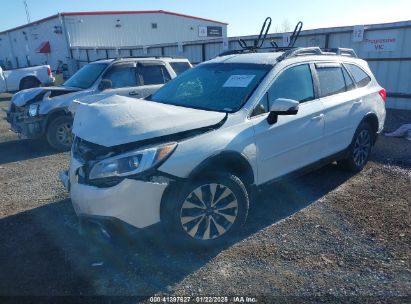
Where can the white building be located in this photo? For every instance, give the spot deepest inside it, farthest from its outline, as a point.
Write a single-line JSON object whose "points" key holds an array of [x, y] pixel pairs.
{"points": [[53, 39]]}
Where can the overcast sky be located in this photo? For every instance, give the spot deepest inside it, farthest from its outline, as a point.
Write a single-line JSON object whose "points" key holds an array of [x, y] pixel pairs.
{"points": [[244, 16]]}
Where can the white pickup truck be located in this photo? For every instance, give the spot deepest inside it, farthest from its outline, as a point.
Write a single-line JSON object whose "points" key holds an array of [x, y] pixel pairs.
{"points": [[25, 78]]}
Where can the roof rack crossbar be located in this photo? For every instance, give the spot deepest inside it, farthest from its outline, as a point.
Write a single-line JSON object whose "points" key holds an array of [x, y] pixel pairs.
{"points": [[140, 57], [305, 51], [346, 52], [300, 51]]}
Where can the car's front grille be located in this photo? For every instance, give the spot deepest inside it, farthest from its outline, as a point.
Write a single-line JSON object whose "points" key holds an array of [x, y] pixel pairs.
{"points": [[84, 150], [15, 109]]}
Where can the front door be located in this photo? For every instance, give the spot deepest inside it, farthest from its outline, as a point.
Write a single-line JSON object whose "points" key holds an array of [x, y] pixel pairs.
{"points": [[293, 141]]}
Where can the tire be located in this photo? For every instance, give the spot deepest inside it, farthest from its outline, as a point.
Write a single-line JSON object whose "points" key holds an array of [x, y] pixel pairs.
{"points": [[360, 149], [193, 221], [29, 83], [59, 134]]}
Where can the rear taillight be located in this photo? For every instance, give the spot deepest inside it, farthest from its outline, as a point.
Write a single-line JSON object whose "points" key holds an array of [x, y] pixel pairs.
{"points": [[49, 71], [383, 94]]}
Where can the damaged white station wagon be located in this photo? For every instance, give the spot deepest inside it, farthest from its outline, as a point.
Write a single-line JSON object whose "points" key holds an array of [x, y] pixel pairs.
{"points": [[190, 155]]}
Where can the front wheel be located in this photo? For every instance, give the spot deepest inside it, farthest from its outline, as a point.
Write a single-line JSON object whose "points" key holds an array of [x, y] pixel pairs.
{"points": [[59, 134], [208, 211], [360, 149]]}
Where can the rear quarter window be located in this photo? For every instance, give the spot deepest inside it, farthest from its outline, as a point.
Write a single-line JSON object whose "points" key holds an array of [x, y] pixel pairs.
{"points": [[361, 78], [180, 67]]}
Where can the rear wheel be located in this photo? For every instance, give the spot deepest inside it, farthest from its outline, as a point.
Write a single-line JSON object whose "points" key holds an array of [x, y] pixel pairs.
{"points": [[29, 83], [360, 149], [59, 133], [208, 211]]}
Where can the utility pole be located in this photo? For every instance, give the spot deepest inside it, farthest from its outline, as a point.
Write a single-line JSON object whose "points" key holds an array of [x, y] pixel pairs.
{"points": [[27, 11]]}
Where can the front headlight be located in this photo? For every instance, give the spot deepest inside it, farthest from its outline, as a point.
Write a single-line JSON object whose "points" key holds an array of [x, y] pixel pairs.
{"points": [[33, 110], [131, 163]]}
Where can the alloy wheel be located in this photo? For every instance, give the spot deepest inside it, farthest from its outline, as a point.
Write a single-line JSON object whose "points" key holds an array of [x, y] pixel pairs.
{"points": [[362, 148], [209, 211]]}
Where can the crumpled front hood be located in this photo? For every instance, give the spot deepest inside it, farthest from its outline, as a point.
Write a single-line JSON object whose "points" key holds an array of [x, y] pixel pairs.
{"points": [[23, 97], [116, 120]]}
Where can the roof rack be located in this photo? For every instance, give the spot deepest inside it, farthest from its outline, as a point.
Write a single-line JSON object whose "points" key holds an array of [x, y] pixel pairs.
{"points": [[259, 42], [289, 50], [305, 51], [142, 57], [134, 57]]}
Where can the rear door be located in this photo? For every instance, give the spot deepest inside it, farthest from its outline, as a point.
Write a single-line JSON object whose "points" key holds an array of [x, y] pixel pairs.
{"points": [[364, 96], [336, 89]]}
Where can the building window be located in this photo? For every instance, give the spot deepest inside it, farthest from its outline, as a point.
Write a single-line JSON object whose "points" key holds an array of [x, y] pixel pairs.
{"points": [[154, 26]]}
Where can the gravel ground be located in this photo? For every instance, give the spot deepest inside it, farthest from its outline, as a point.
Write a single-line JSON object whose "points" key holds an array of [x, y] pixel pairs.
{"points": [[329, 234]]}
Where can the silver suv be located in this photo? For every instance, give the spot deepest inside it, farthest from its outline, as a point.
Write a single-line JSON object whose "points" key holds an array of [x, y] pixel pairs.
{"points": [[44, 112], [191, 154]]}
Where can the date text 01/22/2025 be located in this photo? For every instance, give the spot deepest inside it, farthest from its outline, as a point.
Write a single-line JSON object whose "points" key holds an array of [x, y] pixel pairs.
{"points": [[202, 299]]}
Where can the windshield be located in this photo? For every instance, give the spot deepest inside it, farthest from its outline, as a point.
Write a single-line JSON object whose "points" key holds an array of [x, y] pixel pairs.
{"points": [[222, 87], [86, 76]]}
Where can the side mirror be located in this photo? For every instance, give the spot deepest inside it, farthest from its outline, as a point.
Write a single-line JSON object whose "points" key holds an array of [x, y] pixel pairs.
{"points": [[105, 84], [282, 106]]}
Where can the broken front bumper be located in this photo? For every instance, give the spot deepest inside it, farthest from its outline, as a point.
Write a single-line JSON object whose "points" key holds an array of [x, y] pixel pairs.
{"points": [[132, 201], [25, 126]]}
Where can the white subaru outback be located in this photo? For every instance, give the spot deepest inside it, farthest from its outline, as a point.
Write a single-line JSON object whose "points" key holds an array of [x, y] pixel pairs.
{"points": [[191, 154]]}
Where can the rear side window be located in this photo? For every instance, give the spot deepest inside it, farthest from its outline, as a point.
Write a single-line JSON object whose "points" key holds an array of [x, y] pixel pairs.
{"points": [[180, 67], [294, 83], [153, 74], [331, 80], [122, 75], [361, 78]]}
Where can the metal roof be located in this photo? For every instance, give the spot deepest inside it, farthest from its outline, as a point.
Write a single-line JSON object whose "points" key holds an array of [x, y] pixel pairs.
{"points": [[110, 13]]}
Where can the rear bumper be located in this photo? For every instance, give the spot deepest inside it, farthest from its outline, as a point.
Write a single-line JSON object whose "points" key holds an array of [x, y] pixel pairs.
{"points": [[50, 81]]}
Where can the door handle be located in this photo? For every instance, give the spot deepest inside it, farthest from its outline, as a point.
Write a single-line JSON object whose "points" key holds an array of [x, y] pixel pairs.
{"points": [[132, 93], [359, 101], [319, 117]]}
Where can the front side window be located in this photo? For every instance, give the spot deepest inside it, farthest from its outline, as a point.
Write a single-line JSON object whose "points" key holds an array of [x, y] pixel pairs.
{"points": [[361, 78], [294, 83], [331, 80], [153, 74], [122, 75], [86, 76], [223, 87]]}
